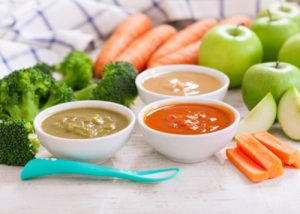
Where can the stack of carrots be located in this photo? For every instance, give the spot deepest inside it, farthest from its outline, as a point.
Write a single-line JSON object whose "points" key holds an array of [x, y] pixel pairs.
{"points": [[136, 41], [261, 156]]}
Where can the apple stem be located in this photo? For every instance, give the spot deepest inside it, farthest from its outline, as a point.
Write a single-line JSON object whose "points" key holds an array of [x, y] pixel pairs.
{"points": [[277, 65], [270, 15], [236, 29]]}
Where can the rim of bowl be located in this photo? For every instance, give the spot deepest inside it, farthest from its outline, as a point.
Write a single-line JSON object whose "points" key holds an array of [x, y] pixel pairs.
{"points": [[160, 103], [181, 67], [78, 104]]}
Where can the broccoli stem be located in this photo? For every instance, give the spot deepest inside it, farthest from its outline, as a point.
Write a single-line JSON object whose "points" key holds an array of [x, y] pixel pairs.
{"points": [[69, 79], [35, 143], [129, 101], [29, 106], [14, 111], [50, 102], [86, 93]]}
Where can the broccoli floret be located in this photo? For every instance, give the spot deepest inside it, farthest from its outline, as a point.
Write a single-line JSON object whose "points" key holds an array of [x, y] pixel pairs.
{"points": [[77, 70], [24, 93], [59, 93], [118, 85], [18, 143], [45, 68]]}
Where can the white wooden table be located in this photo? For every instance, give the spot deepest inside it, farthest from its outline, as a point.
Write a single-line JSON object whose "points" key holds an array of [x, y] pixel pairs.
{"points": [[213, 186]]}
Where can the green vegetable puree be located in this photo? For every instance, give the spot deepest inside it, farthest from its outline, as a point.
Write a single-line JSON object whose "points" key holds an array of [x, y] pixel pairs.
{"points": [[81, 123]]}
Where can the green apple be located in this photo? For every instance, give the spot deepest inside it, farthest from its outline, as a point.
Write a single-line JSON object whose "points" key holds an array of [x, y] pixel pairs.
{"points": [[261, 117], [273, 33], [274, 77], [289, 113], [231, 49], [283, 10], [290, 51]]}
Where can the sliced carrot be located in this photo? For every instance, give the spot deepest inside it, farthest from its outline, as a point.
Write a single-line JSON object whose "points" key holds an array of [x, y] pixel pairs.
{"points": [[129, 30], [296, 164], [260, 154], [237, 20], [287, 154], [186, 55], [247, 166], [139, 52], [188, 35]]}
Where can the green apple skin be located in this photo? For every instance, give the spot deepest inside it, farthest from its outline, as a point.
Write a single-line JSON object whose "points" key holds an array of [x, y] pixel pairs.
{"points": [[272, 34], [290, 51], [283, 10], [261, 117], [289, 113], [232, 50], [263, 78]]}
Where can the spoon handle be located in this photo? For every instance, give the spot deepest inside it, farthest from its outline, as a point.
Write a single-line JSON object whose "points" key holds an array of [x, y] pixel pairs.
{"points": [[44, 167]]}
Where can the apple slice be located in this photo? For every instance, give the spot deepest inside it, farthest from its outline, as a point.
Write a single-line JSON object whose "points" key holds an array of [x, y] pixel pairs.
{"points": [[289, 113], [261, 117]]}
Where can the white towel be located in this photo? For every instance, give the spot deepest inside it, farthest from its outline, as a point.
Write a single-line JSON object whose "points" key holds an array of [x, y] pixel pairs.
{"points": [[46, 30]]}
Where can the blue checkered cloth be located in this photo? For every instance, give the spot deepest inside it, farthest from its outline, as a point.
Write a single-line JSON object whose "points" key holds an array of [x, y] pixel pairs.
{"points": [[46, 30]]}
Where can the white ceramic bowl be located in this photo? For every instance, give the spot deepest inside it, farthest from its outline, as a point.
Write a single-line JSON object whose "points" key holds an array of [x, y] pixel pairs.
{"points": [[91, 149], [187, 148], [148, 96]]}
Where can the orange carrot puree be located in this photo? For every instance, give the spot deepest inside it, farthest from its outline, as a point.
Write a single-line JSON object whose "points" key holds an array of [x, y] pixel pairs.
{"points": [[189, 118]]}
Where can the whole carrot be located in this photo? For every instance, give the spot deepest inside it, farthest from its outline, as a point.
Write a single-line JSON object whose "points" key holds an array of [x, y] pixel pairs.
{"points": [[189, 54], [139, 52], [188, 35], [128, 31], [237, 20], [185, 55]]}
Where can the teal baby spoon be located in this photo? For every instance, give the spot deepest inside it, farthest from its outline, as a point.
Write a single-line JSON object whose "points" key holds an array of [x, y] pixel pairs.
{"points": [[51, 166]]}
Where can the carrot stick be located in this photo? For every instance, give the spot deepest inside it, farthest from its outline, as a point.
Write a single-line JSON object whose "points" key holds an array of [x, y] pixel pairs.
{"points": [[296, 164], [260, 154], [186, 55], [286, 154], [188, 35], [129, 30], [236, 20], [139, 52], [246, 165]]}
